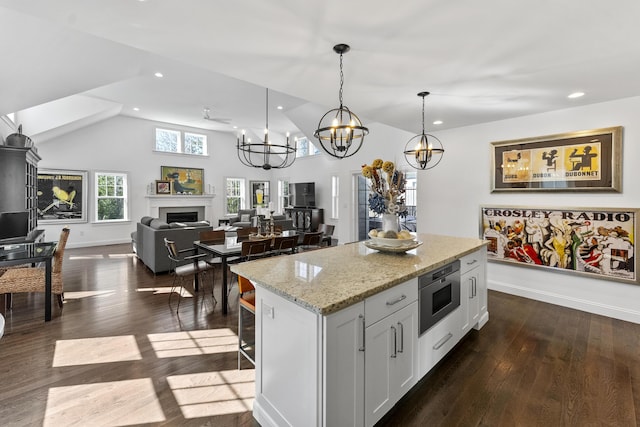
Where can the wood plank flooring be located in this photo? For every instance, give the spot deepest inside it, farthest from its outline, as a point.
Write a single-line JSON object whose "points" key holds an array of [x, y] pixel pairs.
{"points": [[118, 354]]}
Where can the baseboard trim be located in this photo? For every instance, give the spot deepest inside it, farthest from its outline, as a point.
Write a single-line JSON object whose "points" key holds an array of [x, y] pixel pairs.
{"points": [[566, 301]]}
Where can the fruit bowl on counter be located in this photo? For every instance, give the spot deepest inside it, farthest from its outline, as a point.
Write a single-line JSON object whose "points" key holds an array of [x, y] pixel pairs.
{"points": [[392, 239]]}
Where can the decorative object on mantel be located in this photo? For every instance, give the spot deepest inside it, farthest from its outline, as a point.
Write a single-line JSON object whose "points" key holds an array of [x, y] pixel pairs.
{"points": [[340, 128], [163, 187], [387, 197], [265, 154], [595, 242], [420, 151], [187, 181]]}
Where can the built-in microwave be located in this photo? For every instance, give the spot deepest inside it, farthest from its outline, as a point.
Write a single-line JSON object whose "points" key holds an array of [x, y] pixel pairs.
{"points": [[439, 294]]}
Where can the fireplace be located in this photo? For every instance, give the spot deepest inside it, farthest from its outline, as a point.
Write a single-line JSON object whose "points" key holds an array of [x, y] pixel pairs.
{"points": [[182, 216], [160, 205]]}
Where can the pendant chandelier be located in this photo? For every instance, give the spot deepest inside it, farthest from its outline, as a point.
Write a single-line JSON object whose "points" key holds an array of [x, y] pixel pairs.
{"points": [[340, 131], [265, 154], [423, 151]]}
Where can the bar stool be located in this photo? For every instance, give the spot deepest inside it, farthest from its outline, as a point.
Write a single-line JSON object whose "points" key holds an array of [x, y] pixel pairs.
{"points": [[247, 303]]}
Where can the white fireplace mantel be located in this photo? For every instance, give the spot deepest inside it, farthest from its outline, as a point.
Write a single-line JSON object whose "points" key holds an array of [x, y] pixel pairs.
{"points": [[157, 201]]}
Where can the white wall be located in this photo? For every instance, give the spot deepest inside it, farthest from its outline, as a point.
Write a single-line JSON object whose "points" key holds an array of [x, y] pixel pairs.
{"points": [[123, 144], [450, 197]]}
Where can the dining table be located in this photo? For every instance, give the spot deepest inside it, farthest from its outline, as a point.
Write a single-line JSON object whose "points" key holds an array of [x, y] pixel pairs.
{"points": [[32, 253], [230, 248]]}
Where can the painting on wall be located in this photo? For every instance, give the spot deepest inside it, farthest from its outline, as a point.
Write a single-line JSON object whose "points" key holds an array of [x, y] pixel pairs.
{"points": [[183, 180], [259, 193], [62, 196], [596, 242], [579, 161]]}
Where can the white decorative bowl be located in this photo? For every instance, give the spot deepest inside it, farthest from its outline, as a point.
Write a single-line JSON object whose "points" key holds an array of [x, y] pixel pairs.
{"points": [[396, 243]]}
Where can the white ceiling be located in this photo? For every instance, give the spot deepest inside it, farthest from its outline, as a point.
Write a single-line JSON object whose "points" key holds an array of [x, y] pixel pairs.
{"points": [[482, 60]]}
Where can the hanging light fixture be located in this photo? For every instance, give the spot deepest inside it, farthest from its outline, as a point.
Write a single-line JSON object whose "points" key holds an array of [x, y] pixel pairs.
{"points": [[265, 154], [340, 131], [423, 151]]}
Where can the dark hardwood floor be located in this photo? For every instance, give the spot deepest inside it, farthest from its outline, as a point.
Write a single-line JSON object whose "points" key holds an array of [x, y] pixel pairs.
{"points": [[118, 354]]}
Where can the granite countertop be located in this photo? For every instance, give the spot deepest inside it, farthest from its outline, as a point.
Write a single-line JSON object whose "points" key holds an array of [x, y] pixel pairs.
{"points": [[330, 279]]}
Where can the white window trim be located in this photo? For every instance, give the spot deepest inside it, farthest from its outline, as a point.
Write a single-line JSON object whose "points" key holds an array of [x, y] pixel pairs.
{"points": [[126, 197]]}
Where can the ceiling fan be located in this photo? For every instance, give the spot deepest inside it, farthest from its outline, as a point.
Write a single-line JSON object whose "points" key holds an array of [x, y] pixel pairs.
{"points": [[206, 116]]}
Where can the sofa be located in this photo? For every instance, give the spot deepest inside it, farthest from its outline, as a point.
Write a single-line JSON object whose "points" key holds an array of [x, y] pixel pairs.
{"points": [[148, 240], [249, 218]]}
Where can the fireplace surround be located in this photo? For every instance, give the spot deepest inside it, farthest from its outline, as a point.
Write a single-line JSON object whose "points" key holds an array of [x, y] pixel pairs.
{"points": [[159, 205]]}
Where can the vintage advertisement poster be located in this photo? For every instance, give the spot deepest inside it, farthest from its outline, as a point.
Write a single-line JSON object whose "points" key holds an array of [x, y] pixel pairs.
{"points": [[599, 242], [62, 196], [578, 161]]}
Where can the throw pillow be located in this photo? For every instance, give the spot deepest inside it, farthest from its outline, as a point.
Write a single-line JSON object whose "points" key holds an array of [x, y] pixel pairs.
{"points": [[146, 220], [245, 218]]}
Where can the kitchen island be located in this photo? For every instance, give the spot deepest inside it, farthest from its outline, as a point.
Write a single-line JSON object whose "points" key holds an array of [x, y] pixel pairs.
{"points": [[337, 335]]}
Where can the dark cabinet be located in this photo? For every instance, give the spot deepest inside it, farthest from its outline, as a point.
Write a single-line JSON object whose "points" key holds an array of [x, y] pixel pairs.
{"points": [[19, 182], [305, 219]]}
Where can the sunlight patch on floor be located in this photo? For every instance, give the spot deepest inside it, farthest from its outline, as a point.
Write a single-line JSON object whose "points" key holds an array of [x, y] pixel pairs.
{"points": [[214, 393], [87, 351], [87, 294], [192, 343], [117, 403], [120, 256], [167, 290], [80, 257]]}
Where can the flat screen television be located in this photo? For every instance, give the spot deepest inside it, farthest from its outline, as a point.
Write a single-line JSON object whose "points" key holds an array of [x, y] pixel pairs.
{"points": [[302, 195], [14, 224]]}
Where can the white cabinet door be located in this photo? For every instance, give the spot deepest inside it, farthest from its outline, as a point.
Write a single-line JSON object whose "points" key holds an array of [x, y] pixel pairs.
{"points": [[405, 367], [379, 341], [481, 290], [391, 361], [344, 367]]}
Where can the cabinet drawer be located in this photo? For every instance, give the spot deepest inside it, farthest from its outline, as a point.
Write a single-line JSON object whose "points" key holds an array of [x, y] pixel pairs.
{"points": [[439, 340], [471, 261], [387, 302]]}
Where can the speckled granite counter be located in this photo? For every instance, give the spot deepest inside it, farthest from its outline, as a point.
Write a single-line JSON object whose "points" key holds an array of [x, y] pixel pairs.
{"points": [[330, 279]]}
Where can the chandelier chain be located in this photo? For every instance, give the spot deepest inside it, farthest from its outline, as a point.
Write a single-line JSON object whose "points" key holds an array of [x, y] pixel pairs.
{"points": [[341, 81], [423, 115]]}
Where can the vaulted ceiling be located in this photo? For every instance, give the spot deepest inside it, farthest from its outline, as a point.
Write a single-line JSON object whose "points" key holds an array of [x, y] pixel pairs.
{"points": [[73, 62]]}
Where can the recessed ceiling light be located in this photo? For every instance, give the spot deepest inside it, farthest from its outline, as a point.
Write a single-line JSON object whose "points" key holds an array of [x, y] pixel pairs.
{"points": [[437, 122], [159, 74], [576, 95], [136, 109], [235, 127], [279, 107]]}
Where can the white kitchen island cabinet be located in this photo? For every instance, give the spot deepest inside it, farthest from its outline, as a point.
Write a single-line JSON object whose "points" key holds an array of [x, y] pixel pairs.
{"points": [[337, 330]]}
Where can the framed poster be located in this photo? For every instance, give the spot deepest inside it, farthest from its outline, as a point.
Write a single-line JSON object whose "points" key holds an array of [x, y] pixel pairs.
{"points": [[579, 161], [163, 187], [595, 242], [62, 196], [259, 193], [183, 180]]}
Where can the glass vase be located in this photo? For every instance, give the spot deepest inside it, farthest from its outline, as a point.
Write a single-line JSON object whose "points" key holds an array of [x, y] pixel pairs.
{"points": [[390, 222]]}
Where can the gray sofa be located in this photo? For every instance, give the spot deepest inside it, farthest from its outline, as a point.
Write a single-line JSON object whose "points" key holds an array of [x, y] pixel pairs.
{"points": [[249, 218], [148, 240]]}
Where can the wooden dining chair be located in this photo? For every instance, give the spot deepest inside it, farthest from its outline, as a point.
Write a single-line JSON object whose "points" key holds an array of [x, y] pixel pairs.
{"points": [[246, 304], [32, 279], [251, 249], [212, 237], [284, 245], [310, 241], [243, 233]]}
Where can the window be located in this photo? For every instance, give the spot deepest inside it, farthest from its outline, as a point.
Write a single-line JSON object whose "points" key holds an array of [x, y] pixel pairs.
{"points": [[111, 197], [195, 144], [234, 195], [306, 148], [283, 195], [167, 140], [170, 141], [335, 199]]}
